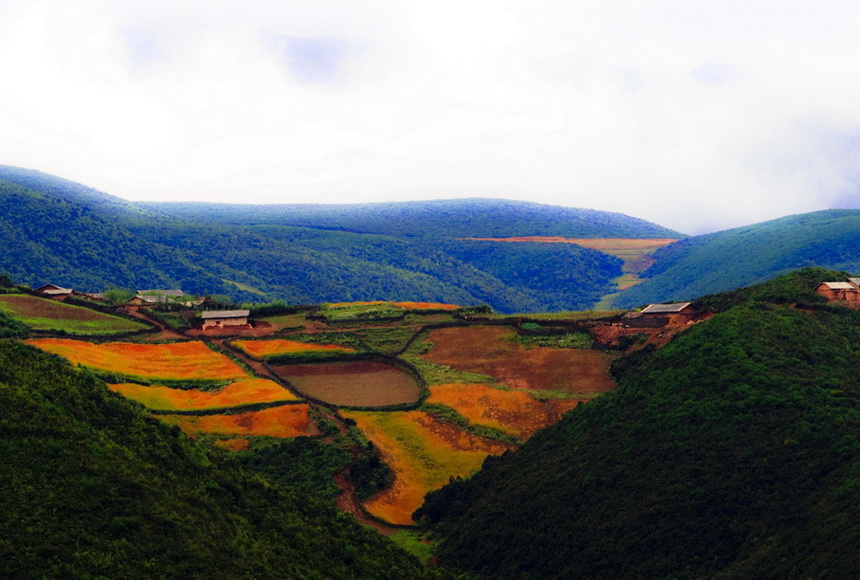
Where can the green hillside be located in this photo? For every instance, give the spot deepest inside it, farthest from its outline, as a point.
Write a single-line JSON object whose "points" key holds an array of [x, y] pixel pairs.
{"points": [[741, 256], [732, 452], [452, 218], [94, 488], [59, 231]]}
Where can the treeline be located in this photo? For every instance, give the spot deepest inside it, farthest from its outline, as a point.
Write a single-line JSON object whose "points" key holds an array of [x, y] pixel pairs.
{"points": [[734, 451]]}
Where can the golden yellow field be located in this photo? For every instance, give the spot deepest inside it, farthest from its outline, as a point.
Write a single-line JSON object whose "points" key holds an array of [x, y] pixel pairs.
{"points": [[514, 412], [284, 421], [233, 444], [278, 346], [242, 392], [173, 361], [423, 452]]}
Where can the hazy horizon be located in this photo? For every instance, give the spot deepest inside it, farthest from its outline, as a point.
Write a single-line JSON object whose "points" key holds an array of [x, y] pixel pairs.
{"points": [[695, 116]]}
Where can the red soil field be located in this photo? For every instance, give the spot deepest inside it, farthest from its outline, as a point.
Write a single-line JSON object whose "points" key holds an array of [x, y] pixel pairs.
{"points": [[514, 412], [283, 421], [173, 361], [242, 392], [491, 350], [352, 384]]}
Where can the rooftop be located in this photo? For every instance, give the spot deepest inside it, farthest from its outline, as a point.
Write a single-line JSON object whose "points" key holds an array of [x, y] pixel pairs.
{"points": [[665, 308], [206, 314]]}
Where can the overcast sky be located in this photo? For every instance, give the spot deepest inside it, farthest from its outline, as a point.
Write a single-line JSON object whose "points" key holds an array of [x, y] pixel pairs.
{"points": [[698, 115]]}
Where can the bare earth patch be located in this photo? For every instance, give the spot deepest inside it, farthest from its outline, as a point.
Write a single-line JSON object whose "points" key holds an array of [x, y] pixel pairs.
{"points": [[489, 350], [352, 384]]}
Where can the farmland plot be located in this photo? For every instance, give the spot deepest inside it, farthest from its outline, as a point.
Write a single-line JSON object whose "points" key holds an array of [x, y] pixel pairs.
{"points": [[284, 421], [277, 347], [43, 314], [178, 361], [514, 412], [492, 351], [241, 392], [423, 452], [352, 384]]}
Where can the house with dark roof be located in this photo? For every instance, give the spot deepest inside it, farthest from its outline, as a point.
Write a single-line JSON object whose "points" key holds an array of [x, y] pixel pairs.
{"points": [[224, 318]]}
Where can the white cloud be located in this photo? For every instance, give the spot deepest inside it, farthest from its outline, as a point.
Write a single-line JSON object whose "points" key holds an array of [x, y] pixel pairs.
{"points": [[697, 115]]}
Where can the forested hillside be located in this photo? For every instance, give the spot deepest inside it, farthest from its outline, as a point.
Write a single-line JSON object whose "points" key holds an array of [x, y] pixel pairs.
{"points": [[453, 218], [61, 232], [91, 487], [732, 452], [741, 256]]}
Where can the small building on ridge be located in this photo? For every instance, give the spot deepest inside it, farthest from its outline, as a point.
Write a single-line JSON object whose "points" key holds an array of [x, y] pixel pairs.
{"points": [[222, 318], [53, 290]]}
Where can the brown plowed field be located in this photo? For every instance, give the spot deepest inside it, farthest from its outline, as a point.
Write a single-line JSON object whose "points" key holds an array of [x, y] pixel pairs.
{"points": [[352, 384], [284, 421], [491, 350], [514, 412]]}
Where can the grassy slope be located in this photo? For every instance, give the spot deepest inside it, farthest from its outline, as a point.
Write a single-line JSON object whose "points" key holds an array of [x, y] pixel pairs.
{"points": [[92, 487], [741, 256], [731, 452]]}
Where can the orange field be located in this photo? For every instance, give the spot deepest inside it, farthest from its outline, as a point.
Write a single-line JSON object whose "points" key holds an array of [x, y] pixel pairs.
{"points": [[514, 412], [173, 361], [424, 453], [266, 348], [284, 421], [492, 350], [242, 392]]}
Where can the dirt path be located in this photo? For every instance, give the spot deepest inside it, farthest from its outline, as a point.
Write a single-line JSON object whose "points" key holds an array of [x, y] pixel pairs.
{"points": [[164, 332]]}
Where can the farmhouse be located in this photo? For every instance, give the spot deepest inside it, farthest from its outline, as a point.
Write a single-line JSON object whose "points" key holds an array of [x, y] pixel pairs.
{"points": [[53, 290], [222, 318], [840, 291], [657, 315]]}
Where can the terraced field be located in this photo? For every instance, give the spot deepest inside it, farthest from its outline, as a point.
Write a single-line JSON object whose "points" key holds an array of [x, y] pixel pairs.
{"points": [[494, 351], [241, 392], [284, 421], [191, 360], [423, 452], [262, 349], [43, 314], [352, 384]]}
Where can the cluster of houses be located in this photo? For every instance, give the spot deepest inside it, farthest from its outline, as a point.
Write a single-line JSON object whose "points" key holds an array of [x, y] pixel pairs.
{"points": [[212, 319], [847, 291]]}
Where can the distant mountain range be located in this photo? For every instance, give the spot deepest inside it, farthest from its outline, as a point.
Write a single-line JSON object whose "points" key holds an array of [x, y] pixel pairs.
{"points": [[76, 236], [60, 231]]}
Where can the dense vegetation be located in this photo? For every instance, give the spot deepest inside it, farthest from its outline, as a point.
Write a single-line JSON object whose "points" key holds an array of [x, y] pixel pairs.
{"points": [[59, 231], [748, 255], [429, 219], [734, 451], [93, 487]]}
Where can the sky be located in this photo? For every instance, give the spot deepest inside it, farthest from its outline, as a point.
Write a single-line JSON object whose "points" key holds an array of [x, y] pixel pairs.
{"points": [[694, 114]]}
